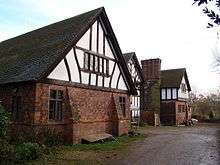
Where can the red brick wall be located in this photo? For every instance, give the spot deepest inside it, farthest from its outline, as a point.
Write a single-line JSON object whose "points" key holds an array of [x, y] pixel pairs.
{"points": [[85, 111], [151, 69], [180, 116], [168, 113], [27, 93]]}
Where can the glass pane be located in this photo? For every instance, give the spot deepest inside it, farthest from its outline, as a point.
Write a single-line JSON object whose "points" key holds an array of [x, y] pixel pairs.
{"points": [[59, 110], [60, 94], [163, 95], [120, 99], [168, 93], [53, 94], [174, 93], [52, 107]]}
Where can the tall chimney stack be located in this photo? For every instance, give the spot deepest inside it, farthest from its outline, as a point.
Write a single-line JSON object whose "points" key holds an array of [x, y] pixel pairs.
{"points": [[151, 69], [150, 93]]}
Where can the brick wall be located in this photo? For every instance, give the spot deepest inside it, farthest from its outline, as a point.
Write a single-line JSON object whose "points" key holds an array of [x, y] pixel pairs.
{"points": [[26, 92], [85, 111], [150, 94], [168, 112], [170, 115], [180, 116]]}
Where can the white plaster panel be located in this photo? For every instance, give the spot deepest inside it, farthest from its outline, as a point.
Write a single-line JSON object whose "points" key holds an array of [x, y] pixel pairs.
{"points": [[100, 81], [101, 34], [108, 51], [80, 57], [115, 77], [94, 36], [93, 79], [181, 94], [107, 79], [121, 84], [85, 78], [84, 40], [73, 66], [60, 72]]}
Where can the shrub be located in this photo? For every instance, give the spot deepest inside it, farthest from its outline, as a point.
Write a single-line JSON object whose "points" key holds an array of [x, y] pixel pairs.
{"points": [[4, 122], [211, 115], [6, 152], [52, 138], [27, 151]]}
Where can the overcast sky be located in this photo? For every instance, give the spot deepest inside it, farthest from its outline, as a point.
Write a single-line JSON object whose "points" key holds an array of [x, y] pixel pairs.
{"points": [[173, 30]]}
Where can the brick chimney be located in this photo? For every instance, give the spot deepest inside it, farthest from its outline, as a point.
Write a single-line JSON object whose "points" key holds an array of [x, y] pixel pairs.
{"points": [[150, 91], [151, 69]]}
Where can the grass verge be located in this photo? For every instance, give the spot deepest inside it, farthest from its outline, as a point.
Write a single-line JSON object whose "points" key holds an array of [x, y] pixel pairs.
{"points": [[84, 153]]}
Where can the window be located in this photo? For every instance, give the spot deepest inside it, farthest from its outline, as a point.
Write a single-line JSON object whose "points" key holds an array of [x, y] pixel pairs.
{"points": [[174, 93], [122, 105], [55, 105], [163, 94], [183, 108], [168, 93], [183, 88], [96, 64], [179, 108], [16, 108]]}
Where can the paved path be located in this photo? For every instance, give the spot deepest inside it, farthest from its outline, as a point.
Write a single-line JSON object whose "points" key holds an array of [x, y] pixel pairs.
{"points": [[199, 145]]}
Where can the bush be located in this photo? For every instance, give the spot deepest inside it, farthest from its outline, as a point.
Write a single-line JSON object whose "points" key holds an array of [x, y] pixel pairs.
{"points": [[4, 122], [211, 115], [27, 151], [52, 138], [6, 152]]}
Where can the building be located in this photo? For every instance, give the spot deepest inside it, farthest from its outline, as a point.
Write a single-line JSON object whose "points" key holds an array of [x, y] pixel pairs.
{"points": [[175, 90], [164, 95], [137, 77], [69, 76], [150, 93]]}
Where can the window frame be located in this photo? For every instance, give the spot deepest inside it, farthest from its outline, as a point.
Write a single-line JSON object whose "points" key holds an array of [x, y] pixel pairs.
{"points": [[57, 114], [16, 114], [102, 63], [122, 104]]}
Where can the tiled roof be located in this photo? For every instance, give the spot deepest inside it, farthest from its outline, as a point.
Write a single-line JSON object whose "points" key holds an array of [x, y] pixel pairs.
{"points": [[173, 78], [31, 56]]}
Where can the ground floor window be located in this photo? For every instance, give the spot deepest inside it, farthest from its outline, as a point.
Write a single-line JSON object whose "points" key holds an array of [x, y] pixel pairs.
{"points": [[122, 105], [16, 108], [56, 105], [181, 108]]}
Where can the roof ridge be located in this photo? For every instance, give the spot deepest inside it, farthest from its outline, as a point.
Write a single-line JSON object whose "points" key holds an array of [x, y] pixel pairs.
{"points": [[51, 24], [174, 69]]}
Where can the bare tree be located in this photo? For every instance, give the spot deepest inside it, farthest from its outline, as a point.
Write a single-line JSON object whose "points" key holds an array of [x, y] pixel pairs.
{"points": [[211, 8]]}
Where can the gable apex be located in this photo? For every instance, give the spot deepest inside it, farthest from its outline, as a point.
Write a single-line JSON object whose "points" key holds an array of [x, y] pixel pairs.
{"points": [[33, 55]]}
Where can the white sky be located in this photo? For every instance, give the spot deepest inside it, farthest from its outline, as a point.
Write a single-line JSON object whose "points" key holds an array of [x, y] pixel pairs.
{"points": [[173, 30]]}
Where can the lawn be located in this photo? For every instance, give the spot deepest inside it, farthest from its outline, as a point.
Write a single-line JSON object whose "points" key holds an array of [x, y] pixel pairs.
{"points": [[96, 153]]}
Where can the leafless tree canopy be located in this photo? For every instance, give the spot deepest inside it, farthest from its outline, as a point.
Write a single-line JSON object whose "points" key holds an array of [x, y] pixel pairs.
{"points": [[211, 8]]}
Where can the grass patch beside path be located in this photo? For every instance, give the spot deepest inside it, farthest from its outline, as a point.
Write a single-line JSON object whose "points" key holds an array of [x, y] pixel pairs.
{"points": [[118, 143], [96, 153]]}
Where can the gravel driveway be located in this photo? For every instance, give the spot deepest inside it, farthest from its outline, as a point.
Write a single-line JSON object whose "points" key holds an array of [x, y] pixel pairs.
{"points": [[198, 145]]}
